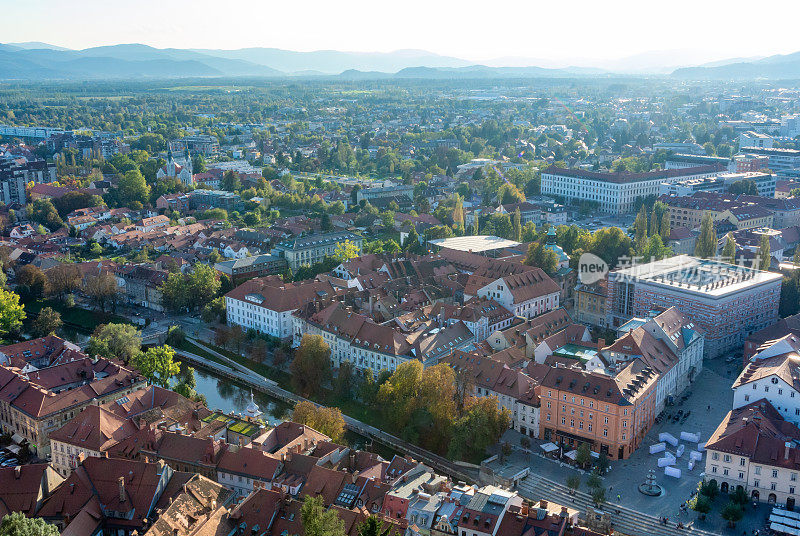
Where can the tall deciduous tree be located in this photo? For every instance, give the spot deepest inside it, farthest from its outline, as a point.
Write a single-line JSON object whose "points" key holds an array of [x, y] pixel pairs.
{"points": [[706, 245], [102, 289], [18, 524], [63, 278], [764, 256], [729, 250], [481, 425], [132, 189], [157, 364], [544, 258], [47, 323], [328, 421], [317, 521], [11, 312], [116, 341], [311, 366]]}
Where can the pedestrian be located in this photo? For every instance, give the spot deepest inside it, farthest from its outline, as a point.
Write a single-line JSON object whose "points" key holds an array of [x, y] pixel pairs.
{"points": [[619, 497]]}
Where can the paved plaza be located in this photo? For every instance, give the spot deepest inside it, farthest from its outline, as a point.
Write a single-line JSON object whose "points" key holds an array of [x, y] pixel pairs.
{"points": [[710, 398]]}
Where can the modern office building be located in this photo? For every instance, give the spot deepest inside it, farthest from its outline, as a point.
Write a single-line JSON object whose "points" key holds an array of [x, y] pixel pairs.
{"points": [[728, 302], [779, 159]]}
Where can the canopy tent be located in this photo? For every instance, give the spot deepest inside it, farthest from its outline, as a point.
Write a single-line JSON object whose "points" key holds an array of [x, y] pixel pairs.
{"points": [[549, 447], [572, 455]]}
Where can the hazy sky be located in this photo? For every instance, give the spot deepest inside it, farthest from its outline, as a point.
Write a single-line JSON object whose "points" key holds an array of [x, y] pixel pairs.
{"points": [[552, 29]]}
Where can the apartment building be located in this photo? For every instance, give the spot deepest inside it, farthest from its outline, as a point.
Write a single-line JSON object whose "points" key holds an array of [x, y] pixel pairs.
{"points": [[773, 374], [744, 213], [240, 270], [615, 193], [727, 302], [514, 389], [312, 249], [611, 414], [266, 304], [365, 344], [668, 343], [527, 294], [38, 401], [755, 448], [590, 303]]}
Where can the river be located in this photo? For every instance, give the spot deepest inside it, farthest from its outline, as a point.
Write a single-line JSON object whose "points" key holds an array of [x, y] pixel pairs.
{"points": [[226, 396]]}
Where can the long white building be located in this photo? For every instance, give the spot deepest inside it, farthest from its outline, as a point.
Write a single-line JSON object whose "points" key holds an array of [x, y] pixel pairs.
{"points": [[616, 193]]}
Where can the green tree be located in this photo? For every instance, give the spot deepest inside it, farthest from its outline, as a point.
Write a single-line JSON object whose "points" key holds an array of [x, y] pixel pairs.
{"points": [[133, 190], [372, 526], [32, 284], [732, 513], [744, 186], [599, 496], [543, 257], [115, 341], [214, 311], [709, 488], [311, 366], [508, 193], [42, 211], [665, 230], [573, 483], [700, 504], [17, 524], [11, 312], [157, 364], [583, 455], [317, 521], [655, 249], [345, 251], [458, 211], [230, 181], [729, 250], [328, 421], [640, 228], [481, 425], [47, 323], [706, 245], [764, 257], [516, 225]]}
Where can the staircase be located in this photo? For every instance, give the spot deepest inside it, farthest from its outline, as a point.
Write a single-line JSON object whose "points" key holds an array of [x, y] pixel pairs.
{"points": [[628, 521]]}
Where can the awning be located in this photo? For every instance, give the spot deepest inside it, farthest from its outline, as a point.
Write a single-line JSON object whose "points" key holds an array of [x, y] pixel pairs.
{"points": [[16, 438], [572, 455], [549, 447], [595, 454]]}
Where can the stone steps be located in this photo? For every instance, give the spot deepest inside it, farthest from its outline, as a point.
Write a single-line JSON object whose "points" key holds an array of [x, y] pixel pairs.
{"points": [[628, 521]]}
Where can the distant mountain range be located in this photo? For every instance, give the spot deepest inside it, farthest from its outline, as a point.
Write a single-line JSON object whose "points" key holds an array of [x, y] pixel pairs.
{"points": [[778, 67], [41, 61]]}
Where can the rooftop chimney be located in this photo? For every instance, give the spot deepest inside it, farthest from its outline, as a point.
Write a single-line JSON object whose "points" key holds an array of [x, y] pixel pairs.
{"points": [[601, 343], [787, 446], [121, 481], [17, 471]]}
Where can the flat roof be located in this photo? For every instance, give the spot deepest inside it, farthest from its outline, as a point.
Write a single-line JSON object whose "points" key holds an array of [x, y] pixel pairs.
{"points": [[475, 243], [700, 276]]}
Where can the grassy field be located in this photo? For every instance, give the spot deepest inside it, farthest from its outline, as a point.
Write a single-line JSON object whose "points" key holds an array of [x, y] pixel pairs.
{"points": [[85, 320]]}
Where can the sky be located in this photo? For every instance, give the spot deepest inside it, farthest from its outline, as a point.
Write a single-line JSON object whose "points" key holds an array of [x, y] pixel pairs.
{"points": [[551, 32]]}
